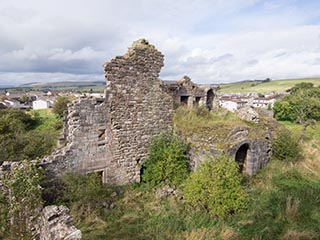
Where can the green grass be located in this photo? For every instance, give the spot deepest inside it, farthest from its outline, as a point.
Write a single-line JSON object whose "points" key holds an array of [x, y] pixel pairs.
{"points": [[283, 204], [48, 120], [272, 86], [312, 131], [210, 129]]}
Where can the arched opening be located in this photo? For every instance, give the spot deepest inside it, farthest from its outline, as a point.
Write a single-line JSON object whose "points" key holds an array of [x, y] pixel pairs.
{"points": [[241, 156], [210, 97]]}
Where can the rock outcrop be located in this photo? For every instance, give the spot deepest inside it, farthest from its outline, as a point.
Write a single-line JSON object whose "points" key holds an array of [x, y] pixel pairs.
{"points": [[248, 114], [55, 223]]}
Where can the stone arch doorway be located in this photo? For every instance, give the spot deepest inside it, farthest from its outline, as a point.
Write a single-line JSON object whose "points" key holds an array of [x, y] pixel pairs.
{"points": [[210, 97], [241, 157]]}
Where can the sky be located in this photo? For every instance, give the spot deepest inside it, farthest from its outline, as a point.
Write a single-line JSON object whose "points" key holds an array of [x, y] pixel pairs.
{"points": [[211, 41]]}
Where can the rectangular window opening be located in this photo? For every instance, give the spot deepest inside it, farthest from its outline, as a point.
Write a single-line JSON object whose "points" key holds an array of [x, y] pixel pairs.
{"points": [[184, 99]]}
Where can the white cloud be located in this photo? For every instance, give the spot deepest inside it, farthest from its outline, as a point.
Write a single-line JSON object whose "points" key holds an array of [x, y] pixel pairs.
{"points": [[211, 41]]}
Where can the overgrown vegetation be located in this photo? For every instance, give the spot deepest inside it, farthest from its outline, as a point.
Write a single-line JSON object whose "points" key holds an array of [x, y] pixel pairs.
{"points": [[20, 213], [61, 105], [216, 187], [167, 163], [286, 147], [27, 135], [282, 203], [207, 128], [301, 106]]}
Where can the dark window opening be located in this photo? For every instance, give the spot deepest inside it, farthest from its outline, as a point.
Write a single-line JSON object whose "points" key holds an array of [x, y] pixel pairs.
{"points": [[184, 99], [241, 156]]}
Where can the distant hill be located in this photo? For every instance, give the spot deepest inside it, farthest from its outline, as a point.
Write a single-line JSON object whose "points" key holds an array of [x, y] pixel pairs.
{"points": [[262, 86], [64, 85]]}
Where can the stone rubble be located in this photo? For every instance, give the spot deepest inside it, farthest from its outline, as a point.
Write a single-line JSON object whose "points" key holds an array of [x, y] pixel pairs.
{"points": [[55, 223]]}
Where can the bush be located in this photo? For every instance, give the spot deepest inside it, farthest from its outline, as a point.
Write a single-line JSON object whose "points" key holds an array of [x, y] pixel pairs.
{"points": [[216, 186], [167, 162], [26, 135], [61, 105], [286, 147], [23, 204], [85, 195]]}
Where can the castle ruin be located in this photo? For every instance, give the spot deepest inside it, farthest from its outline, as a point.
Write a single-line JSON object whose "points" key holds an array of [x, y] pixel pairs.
{"points": [[112, 135]]}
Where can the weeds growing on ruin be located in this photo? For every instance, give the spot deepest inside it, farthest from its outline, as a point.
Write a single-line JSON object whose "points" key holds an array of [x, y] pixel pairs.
{"points": [[167, 163]]}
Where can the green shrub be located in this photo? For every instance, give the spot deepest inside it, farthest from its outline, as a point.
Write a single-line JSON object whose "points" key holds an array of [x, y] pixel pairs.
{"points": [[26, 135], [167, 162], [216, 186], [61, 105], [286, 147], [84, 189], [22, 207]]}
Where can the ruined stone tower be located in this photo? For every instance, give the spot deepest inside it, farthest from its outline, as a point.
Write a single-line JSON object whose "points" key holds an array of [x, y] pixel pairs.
{"points": [[137, 109], [112, 135]]}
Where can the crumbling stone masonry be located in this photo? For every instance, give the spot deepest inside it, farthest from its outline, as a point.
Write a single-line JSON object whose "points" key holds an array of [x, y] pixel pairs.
{"points": [[185, 92], [113, 136], [137, 109], [251, 153]]}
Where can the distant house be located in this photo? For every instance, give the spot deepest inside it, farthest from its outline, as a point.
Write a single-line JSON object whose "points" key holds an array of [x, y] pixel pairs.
{"points": [[263, 102], [232, 104], [42, 104]]}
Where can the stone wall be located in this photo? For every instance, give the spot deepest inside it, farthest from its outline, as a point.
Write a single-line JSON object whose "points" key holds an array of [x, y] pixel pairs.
{"points": [[112, 136], [137, 109], [85, 139], [185, 92], [252, 153]]}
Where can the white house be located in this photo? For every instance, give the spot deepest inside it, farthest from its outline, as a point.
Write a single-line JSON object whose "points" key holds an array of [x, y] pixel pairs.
{"points": [[232, 104], [263, 102], [42, 104]]}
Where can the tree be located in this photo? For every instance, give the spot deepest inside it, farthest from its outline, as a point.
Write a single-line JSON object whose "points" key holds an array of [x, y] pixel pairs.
{"points": [[216, 186], [299, 86], [19, 137], [301, 106], [61, 105], [167, 162]]}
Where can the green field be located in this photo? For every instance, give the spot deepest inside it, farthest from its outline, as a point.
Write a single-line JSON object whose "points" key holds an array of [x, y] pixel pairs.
{"points": [[263, 87]]}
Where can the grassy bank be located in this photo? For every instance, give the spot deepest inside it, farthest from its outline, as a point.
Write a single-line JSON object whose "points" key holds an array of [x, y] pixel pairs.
{"points": [[262, 87]]}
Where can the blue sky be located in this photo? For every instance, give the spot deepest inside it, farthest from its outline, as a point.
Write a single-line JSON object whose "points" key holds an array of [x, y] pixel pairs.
{"points": [[211, 41]]}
